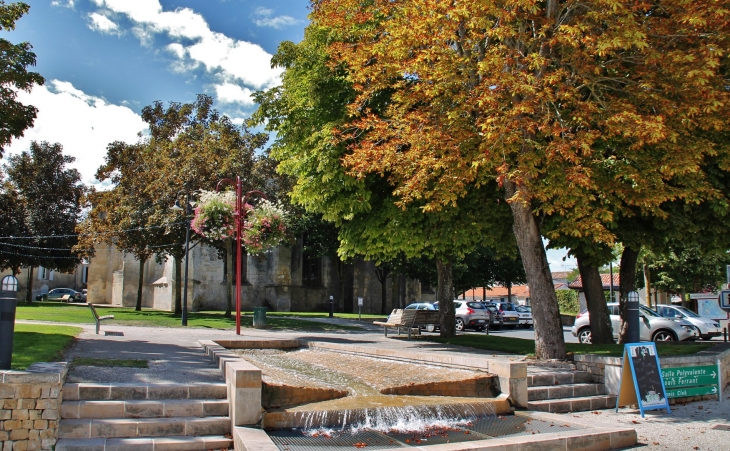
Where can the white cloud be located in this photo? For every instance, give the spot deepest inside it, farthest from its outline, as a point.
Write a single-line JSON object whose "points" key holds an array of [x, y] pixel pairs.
{"points": [[228, 59], [265, 20], [83, 124], [231, 93], [101, 23], [66, 4]]}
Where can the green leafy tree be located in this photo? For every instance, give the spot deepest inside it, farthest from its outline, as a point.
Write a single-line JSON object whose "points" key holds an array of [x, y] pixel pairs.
{"points": [[51, 196], [15, 117]]}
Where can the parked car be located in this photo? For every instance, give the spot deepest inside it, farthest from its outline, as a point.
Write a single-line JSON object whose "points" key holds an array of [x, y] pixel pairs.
{"points": [[525, 315], [510, 317], [83, 295], [470, 315], [424, 306], [708, 327], [652, 326], [495, 319], [59, 294]]}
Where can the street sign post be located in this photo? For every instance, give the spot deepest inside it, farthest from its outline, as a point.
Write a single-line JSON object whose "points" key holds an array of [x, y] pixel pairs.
{"points": [[687, 381], [725, 300]]}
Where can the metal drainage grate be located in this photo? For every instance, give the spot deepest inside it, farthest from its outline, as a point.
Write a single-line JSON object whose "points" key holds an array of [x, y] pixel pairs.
{"points": [[294, 440], [511, 425], [439, 437]]}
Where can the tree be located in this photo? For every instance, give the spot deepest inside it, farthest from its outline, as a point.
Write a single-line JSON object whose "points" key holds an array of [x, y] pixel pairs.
{"points": [[51, 197], [305, 112], [538, 96], [11, 225], [14, 76]]}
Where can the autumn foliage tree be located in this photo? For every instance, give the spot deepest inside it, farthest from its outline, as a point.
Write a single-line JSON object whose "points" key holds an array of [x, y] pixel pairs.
{"points": [[562, 103]]}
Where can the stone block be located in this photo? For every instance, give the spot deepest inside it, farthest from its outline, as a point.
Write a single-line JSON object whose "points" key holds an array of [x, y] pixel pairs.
{"points": [[179, 443], [40, 425], [207, 391], [20, 446], [55, 392], [45, 391], [7, 391], [4, 435], [20, 414], [26, 403], [27, 391], [247, 439], [50, 414], [48, 443], [47, 433], [8, 446], [5, 414], [128, 391], [74, 429], [162, 427], [124, 444], [10, 425], [143, 409], [167, 391], [186, 408], [101, 409], [94, 391], [34, 434], [10, 404], [19, 434], [207, 426], [34, 414], [34, 445], [114, 428]]}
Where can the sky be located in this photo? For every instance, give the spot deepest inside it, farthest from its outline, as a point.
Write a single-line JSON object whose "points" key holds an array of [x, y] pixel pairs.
{"points": [[105, 60]]}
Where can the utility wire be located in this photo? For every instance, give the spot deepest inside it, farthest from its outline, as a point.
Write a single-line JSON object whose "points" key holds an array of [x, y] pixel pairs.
{"points": [[89, 234]]}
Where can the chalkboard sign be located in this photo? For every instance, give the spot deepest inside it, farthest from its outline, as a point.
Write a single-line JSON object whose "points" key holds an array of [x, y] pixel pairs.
{"points": [[641, 366]]}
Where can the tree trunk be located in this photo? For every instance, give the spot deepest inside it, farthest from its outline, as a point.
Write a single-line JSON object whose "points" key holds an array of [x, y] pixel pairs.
{"points": [[685, 302], [229, 277], [445, 297], [626, 284], [601, 330], [647, 284], [29, 289], [140, 284], [402, 291], [509, 292], [549, 340], [178, 286], [382, 274]]}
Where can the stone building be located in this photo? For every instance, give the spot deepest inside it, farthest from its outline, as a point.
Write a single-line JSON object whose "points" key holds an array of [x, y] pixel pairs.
{"points": [[283, 279], [45, 279]]}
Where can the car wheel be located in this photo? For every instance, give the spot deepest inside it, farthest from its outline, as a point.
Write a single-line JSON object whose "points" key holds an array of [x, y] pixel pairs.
{"points": [[459, 324], [585, 336], [430, 327], [706, 337], [664, 335]]}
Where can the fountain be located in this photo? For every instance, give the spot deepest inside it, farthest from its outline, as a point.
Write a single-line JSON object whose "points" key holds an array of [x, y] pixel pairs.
{"points": [[297, 395]]}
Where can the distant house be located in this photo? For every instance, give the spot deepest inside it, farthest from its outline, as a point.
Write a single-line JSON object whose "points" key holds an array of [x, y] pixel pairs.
{"points": [[520, 294], [560, 280], [577, 284], [45, 279]]}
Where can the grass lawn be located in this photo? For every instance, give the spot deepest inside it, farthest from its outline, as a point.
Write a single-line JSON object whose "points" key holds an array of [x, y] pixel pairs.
{"points": [[34, 343], [522, 346], [80, 314]]}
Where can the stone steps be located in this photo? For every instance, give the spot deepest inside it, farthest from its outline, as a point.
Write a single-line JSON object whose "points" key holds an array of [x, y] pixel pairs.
{"points": [[150, 417], [145, 444], [562, 391], [145, 408]]}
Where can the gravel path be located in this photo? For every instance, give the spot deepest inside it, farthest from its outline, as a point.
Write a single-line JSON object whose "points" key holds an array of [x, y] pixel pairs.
{"points": [[689, 427]]}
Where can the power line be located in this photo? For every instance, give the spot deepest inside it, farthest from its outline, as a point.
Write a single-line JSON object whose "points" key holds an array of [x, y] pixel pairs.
{"points": [[24, 246], [89, 234]]}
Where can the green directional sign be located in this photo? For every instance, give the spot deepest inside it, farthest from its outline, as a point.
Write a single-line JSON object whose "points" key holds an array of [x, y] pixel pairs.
{"points": [[691, 391], [690, 376]]}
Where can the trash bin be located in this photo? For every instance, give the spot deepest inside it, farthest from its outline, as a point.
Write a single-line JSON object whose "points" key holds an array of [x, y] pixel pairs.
{"points": [[8, 304], [259, 317]]}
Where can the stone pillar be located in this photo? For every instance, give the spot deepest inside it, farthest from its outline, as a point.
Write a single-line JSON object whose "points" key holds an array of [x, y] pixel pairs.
{"points": [[244, 393]]}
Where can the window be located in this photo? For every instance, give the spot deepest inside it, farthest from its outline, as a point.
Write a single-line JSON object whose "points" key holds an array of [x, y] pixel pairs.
{"points": [[44, 274], [9, 283], [84, 274]]}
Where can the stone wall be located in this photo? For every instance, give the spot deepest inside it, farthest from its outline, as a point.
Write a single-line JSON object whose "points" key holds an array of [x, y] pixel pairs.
{"points": [[30, 404], [607, 370]]}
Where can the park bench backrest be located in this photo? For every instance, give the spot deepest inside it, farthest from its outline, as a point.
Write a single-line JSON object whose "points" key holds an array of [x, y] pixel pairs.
{"points": [[93, 310]]}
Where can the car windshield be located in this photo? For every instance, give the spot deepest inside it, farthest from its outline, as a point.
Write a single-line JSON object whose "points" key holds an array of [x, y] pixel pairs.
{"points": [[522, 309], [475, 305], [649, 312], [508, 307], [491, 308], [688, 312]]}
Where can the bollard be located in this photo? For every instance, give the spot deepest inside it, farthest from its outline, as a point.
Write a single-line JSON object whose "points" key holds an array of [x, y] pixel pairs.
{"points": [[8, 304], [632, 317], [724, 333], [332, 306]]}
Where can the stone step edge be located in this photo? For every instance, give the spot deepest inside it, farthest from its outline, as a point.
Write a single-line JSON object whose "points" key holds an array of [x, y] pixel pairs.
{"points": [[142, 408], [580, 404], [558, 391], [84, 428], [103, 392], [577, 384], [172, 443], [576, 377], [577, 398]]}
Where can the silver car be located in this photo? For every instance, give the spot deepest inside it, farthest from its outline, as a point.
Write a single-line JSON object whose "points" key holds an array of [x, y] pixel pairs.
{"points": [[525, 315], [508, 310], [471, 314], [708, 327], [652, 326]]}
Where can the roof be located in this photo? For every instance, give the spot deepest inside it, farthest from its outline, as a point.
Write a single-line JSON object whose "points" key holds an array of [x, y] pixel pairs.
{"points": [[522, 291], [560, 275], [577, 284]]}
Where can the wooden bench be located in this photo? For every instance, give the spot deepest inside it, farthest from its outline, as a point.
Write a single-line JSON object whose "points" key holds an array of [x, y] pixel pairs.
{"points": [[98, 318], [409, 319]]}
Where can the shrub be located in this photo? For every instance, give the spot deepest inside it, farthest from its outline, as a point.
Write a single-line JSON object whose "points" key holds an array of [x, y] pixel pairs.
{"points": [[568, 302]]}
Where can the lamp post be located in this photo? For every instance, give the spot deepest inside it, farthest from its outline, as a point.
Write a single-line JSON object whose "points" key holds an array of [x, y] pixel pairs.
{"points": [[632, 317], [188, 211], [240, 216]]}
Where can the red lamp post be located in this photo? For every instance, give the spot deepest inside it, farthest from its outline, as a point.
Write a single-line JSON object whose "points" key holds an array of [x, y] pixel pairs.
{"points": [[240, 215]]}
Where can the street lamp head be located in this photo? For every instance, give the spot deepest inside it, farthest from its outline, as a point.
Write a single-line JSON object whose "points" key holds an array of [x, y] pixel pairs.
{"points": [[633, 296], [177, 206]]}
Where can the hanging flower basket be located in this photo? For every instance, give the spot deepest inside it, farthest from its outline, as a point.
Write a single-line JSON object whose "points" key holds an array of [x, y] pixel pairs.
{"points": [[265, 227], [214, 219]]}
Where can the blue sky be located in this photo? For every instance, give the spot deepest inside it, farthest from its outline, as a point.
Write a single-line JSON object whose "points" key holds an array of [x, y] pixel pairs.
{"points": [[105, 60]]}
